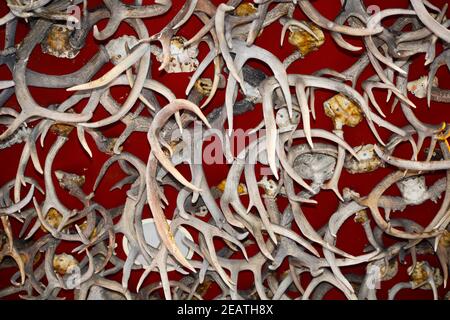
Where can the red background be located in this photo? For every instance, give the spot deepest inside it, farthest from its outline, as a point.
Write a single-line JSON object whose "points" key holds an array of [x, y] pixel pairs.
{"points": [[72, 158]]}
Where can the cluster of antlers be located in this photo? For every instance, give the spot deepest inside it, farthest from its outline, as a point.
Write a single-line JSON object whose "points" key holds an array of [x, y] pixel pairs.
{"points": [[300, 160]]}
